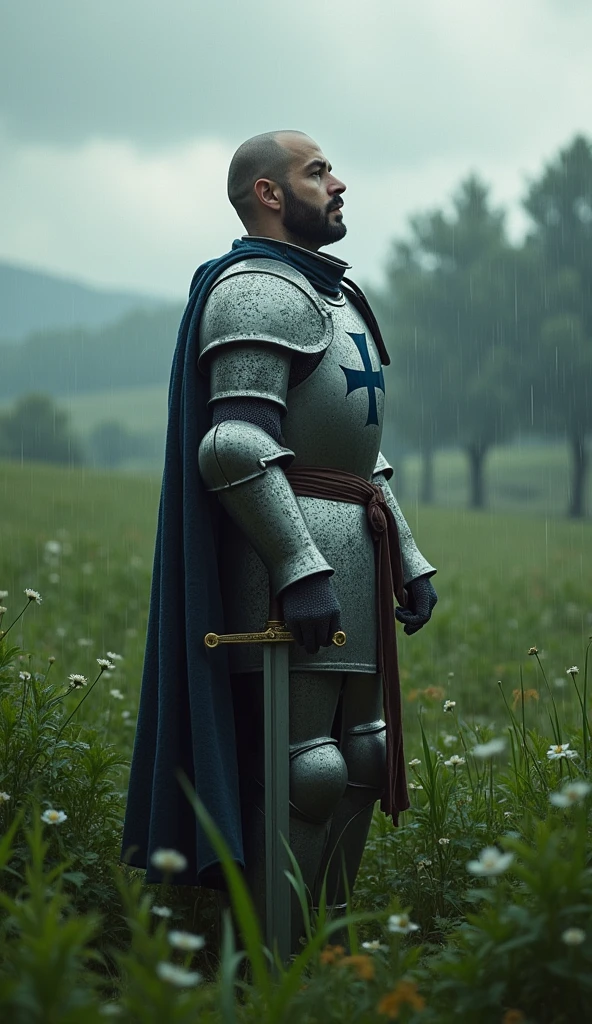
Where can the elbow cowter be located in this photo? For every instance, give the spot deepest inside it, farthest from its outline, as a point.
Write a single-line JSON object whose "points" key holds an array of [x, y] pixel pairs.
{"points": [[244, 466]]}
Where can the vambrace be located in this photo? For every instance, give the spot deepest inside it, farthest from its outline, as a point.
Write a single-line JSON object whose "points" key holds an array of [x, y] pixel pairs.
{"points": [[244, 466], [414, 564]]}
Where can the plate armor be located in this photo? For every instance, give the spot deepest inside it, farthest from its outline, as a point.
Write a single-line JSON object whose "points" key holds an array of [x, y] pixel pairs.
{"points": [[260, 317], [266, 333]]}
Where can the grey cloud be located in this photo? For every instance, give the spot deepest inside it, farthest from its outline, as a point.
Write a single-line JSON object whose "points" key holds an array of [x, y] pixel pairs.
{"points": [[375, 83]]}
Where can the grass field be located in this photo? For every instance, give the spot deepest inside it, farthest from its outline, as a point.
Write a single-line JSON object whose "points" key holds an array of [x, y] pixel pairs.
{"points": [[519, 477], [506, 582]]}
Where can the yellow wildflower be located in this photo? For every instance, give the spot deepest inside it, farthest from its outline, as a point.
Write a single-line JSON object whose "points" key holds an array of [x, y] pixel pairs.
{"points": [[405, 993], [362, 965], [331, 954], [528, 695]]}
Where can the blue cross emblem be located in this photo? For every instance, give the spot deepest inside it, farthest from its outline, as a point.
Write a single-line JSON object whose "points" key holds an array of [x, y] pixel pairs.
{"points": [[366, 378]]}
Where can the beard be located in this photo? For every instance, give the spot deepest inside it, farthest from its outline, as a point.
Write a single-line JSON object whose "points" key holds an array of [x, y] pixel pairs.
{"points": [[309, 224]]}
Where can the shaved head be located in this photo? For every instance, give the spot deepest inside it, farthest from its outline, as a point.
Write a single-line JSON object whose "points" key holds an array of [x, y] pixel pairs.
{"points": [[263, 156]]}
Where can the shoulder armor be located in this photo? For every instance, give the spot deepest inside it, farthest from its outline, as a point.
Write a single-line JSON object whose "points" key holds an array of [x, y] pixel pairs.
{"points": [[265, 301]]}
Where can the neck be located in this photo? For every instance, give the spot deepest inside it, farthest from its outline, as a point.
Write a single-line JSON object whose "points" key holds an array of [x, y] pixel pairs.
{"points": [[324, 257]]}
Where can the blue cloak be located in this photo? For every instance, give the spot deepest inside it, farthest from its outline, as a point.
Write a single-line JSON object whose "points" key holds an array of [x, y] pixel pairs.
{"points": [[186, 717]]}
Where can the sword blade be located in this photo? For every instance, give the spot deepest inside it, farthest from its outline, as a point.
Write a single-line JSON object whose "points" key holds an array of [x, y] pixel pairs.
{"points": [[276, 680]]}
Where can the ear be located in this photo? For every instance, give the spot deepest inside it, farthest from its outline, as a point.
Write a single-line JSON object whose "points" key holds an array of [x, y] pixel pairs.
{"points": [[268, 193]]}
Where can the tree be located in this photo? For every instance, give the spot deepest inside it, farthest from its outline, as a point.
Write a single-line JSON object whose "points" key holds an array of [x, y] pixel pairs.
{"points": [[37, 429], [110, 443], [448, 314], [560, 205]]}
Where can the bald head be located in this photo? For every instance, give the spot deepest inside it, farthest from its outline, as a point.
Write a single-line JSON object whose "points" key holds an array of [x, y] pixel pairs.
{"points": [[263, 156]]}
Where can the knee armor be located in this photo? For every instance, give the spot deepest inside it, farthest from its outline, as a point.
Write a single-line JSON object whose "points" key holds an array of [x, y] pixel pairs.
{"points": [[364, 751], [318, 778]]}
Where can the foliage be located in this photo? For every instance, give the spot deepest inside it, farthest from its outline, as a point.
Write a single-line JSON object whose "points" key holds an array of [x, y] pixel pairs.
{"points": [[110, 443], [487, 338], [79, 938], [448, 315], [135, 350], [36, 429]]}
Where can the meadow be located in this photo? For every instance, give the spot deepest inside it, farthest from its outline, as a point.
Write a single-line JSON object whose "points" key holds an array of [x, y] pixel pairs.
{"points": [[497, 732]]}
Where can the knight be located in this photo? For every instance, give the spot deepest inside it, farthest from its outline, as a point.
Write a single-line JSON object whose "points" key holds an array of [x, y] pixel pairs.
{"points": [[289, 356]]}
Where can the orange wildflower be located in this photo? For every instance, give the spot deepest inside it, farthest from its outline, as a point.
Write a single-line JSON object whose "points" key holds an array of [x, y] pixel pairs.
{"points": [[434, 692], [405, 994], [413, 694], [513, 1017], [362, 965], [528, 695], [331, 954]]}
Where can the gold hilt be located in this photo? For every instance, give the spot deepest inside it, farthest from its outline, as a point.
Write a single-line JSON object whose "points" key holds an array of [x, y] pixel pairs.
{"points": [[274, 633]]}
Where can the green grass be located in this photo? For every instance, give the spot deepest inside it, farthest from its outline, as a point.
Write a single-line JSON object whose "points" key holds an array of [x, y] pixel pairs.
{"points": [[527, 477], [533, 478], [506, 582]]}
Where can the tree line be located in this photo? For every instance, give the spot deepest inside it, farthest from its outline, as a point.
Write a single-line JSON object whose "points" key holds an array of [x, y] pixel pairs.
{"points": [[489, 339], [37, 429]]}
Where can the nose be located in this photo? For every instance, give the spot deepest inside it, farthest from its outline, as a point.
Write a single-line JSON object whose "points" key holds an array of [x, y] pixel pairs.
{"points": [[335, 187]]}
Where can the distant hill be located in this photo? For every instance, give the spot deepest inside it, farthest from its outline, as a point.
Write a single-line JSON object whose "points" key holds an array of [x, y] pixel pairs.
{"points": [[32, 300], [135, 351]]}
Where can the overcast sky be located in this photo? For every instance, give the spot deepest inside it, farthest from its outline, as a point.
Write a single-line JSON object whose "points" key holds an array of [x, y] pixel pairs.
{"points": [[118, 118]]}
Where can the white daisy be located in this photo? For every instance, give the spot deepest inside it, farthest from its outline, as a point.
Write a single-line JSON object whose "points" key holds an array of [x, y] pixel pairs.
{"points": [[4, 797], [162, 911], [186, 941], [117, 694], [454, 761], [448, 705], [177, 975], [374, 945], [414, 762], [105, 663], [401, 925], [490, 862], [572, 793], [494, 746], [76, 680], [443, 841], [559, 750], [33, 595], [573, 936], [51, 817], [114, 656], [169, 860], [573, 671]]}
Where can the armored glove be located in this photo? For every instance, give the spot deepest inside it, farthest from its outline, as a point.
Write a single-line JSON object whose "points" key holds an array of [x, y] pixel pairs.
{"points": [[421, 599], [311, 611]]}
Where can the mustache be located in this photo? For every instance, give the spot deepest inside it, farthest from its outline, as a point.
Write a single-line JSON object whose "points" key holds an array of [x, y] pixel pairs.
{"points": [[335, 204]]}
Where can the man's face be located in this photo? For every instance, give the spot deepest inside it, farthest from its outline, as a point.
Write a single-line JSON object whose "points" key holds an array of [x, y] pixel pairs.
{"points": [[312, 197]]}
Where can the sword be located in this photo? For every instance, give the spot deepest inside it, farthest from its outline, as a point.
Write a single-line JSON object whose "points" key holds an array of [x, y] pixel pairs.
{"points": [[276, 698]]}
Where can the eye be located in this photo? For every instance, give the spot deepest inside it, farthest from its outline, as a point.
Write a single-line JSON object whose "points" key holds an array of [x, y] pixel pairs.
{"points": [[319, 172]]}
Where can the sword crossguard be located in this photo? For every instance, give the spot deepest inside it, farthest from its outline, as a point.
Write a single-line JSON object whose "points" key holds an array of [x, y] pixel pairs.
{"points": [[275, 632]]}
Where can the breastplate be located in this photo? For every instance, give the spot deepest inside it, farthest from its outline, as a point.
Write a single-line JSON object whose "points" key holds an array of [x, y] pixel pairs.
{"points": [[335, 416]]}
